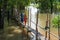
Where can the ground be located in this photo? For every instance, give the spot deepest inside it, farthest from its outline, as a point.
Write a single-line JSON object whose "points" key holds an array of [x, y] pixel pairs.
{"points": [[13, 32]]}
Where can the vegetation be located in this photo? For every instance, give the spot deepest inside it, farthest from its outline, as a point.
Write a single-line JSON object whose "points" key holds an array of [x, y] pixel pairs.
{"points": [[43, 5], [7, 5], [55, 21]]}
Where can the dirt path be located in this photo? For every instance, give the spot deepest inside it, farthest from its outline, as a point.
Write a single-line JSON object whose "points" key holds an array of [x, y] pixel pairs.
{"points": [[13, 33]]}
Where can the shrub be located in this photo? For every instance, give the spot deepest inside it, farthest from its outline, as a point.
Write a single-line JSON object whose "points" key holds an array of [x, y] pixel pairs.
{"points": [[55, 22]]}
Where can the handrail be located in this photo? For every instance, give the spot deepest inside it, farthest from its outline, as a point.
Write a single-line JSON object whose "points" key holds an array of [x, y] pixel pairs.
{"points": [[47, 31], [26, 28], [43, 29]]}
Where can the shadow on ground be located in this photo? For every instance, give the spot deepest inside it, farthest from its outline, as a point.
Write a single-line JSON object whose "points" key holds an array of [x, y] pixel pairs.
{"points": [[14, 33]]}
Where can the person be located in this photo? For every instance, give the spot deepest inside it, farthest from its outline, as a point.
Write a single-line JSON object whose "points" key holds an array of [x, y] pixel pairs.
{"points": [[25, 19], [22, 17]]}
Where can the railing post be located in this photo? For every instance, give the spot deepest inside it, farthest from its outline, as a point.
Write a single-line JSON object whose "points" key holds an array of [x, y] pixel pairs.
{"points": [[46, 27], [36, 26], [28, 23], [51, 2]]}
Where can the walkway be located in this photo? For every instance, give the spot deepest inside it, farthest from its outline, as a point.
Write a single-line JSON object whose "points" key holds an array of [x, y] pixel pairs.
{"points": [[40, 36]]}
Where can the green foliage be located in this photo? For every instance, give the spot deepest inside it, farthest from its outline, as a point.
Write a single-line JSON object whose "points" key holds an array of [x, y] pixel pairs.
{"points": [[18, 3], [45, 5], [23, 2], [0, 1], [55, 21]]}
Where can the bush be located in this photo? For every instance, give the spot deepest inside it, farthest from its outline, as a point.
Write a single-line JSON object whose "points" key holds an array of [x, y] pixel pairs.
{"points": [[55, 22]]}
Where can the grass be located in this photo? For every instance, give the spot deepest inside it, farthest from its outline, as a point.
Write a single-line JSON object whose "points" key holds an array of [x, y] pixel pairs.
{"points": [[52, 29], [43, 18]]}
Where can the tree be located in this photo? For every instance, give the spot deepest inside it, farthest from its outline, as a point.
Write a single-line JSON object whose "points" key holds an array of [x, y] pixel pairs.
{"points": [[45, 5], [2, 12]]}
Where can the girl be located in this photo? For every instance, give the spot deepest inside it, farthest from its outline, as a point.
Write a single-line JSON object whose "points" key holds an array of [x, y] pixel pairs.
{"points": [[25, 19]]}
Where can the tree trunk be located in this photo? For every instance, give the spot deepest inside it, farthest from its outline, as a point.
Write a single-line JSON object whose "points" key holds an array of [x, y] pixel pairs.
{"points": [[2, 12], [1, 19]]}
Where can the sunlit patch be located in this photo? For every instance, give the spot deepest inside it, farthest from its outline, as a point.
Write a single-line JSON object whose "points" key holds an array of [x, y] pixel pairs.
{"points": [[13, 30], [17, 31], [33, 13], [10, 35], [32, 17]]}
